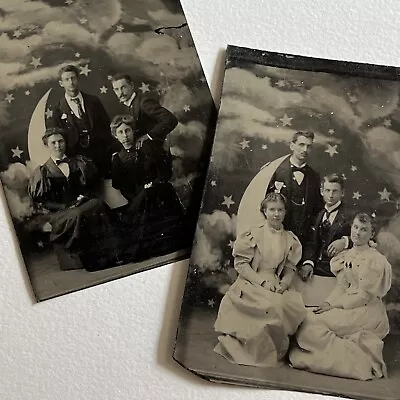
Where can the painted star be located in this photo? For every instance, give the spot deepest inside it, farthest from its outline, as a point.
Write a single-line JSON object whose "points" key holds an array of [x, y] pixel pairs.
{"points": [[228, 201], [264, 147], [85, 70], [231, 244], [385, 195], [286, 121], [186, 108], [353, 99], [48, 113], [40, 244], [27, 92], [35, 62], [77, 55], [331, 150], [213, 183], [68, 2], [331, 131], [17, 33], [357, 195], [83, 20], [354, 168], [344, 177], [120, 28], [109, 77], [9, 98], [245, 144], [103, 90], [211, 302], [145, 87], [17, 152], [387, 123], [281, 83]]}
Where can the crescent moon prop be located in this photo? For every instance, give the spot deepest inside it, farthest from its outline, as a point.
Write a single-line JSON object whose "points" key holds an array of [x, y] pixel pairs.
{"points": [[249, 208], [38, 153]]}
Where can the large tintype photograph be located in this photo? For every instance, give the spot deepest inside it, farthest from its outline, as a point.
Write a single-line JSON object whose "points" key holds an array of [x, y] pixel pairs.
{"points": [[294, 277], [106, 118]]}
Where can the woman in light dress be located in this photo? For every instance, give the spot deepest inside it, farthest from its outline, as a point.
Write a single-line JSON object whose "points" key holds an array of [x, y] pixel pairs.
{"points": [[343, 337], [261, 310]]}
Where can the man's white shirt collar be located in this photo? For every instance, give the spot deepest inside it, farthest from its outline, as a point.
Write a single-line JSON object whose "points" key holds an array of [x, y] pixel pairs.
{"points": [[130, 100], [297, 166], [69, 98], [334, 206]]}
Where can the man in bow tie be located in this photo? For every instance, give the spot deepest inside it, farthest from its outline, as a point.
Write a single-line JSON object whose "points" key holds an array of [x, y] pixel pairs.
{"points": [[330, 235], [62, 190], [153, 122], [300, 184], [83, 117]]}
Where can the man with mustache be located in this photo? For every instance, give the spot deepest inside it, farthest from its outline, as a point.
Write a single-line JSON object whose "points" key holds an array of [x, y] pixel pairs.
{"points": [[300, 184]]}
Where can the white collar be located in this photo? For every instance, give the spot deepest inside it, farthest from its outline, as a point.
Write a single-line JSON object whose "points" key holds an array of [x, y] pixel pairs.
{"points": [[297, 166], [329, 209], [130, 100], [69, 98], [57, 158]]}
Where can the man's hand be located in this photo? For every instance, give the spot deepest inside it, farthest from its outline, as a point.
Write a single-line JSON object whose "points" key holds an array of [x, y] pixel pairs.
{"points": [[325, 306], [306, 272], [336, 247], [140, 141]]}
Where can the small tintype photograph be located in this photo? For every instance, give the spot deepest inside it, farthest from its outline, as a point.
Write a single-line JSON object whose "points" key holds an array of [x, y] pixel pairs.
{"points": [[294, 277], [106, 127]]}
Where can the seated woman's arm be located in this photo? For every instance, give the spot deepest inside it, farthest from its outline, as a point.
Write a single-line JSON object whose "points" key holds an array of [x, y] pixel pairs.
{"points": [[243, 252]]}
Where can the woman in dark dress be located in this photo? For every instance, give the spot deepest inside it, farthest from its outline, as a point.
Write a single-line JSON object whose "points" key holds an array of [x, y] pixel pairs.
{"points": [[141, 172]]}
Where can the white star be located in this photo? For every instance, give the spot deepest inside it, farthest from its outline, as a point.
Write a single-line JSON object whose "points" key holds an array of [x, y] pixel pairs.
{"points": [[332, 150], [264, 147], [83, 20], [40, 243], [17, 152], [9, 98], [48, 113], [145, 87], [354, 168], [120, 28], [186, 108], [77, 55], [281, 83], [286, 120], [17, 33], [85, 70], [68, 2], [228, 201], [344, 176], [103, 90], [356, 195], [27, 92], [353, 99], [331, 131], [109, 77], [385, 195], [245, 144], [213, 183], [35, 62], [211, 302], [387, 123], [231, 244]]}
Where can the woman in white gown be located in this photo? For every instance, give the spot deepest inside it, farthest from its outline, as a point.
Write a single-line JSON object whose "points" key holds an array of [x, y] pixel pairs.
{"points": [[343, 337], [261, 310]]}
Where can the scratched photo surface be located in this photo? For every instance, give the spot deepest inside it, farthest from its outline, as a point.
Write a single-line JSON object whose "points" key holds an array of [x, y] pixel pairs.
{"points": [[266, 303], [106, 118]]}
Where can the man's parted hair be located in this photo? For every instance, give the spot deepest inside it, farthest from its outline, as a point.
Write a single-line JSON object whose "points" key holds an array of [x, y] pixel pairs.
{"points": [[306, 134], [119, 76], [333, 178], [68, 68]]}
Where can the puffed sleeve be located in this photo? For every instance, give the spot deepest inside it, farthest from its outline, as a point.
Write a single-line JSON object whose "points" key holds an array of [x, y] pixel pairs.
{"points": [[294, 251], [38, 185], [375, 277], [243, 253]]}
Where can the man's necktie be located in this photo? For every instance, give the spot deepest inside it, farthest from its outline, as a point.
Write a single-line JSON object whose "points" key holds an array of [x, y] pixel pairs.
{"points": [[327, 214], [64, 160], [79, 104]]}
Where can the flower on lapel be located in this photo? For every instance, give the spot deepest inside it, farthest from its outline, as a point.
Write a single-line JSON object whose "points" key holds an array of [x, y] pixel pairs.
{"points": [[278, 186], [64, 116]]}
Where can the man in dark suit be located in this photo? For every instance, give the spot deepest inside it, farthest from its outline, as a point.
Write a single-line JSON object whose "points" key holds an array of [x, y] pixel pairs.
{"points": [[83, 117], [329, 235], [153, 122], [300, 184]]}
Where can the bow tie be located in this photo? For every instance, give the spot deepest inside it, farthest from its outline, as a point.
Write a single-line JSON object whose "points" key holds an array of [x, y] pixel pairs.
{"points": [[64, 160], [299, 169]]}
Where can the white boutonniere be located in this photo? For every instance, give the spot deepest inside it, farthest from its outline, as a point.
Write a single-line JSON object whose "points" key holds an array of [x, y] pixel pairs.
{"points": [[64, 116], [278, 186]]}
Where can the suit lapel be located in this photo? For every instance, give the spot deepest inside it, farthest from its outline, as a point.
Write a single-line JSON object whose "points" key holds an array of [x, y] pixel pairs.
{"points": [[88, 109], [337, 222]]}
